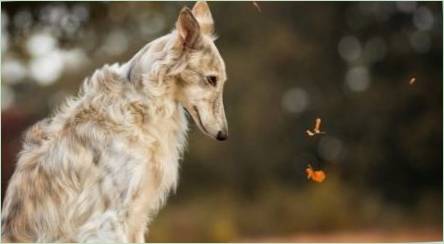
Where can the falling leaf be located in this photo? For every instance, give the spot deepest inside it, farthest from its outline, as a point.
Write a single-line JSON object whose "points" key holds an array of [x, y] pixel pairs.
{"points": [[412, 81], [315, 175], [317, 128], [309, 133], [257, 6]]}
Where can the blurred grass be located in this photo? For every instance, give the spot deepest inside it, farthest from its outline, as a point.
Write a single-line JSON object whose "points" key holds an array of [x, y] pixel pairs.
{"points": [[224, 216]]}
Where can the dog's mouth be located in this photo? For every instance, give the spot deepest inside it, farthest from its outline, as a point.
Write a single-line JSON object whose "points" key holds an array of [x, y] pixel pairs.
{"points": [[198, 120]]}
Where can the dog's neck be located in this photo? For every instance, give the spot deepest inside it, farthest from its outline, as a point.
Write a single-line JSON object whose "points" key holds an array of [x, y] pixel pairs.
{"points": [[152, 71], [155, 62]]}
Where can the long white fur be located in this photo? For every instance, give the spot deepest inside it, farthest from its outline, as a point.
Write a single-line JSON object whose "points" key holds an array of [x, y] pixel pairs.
{"points": [[100, 168]]}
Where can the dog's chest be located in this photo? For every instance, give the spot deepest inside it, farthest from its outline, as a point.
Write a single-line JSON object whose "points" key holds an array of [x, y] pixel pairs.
{"points": [[155, 150], [158, 150]]}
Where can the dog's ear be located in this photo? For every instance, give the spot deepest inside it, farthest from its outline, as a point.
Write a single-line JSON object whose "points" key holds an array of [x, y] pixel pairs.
{"points": [[188, 28], [202, 12]]}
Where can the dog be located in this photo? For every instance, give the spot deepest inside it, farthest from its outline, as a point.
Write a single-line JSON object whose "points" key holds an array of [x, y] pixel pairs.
{"points": [[100, 168]]}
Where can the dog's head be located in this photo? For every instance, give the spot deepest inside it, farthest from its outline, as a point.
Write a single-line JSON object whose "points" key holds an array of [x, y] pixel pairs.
{"points": [[201, 80]]}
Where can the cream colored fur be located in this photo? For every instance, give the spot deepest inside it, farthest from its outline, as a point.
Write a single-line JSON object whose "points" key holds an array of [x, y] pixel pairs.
{"points": [[100, 168]]}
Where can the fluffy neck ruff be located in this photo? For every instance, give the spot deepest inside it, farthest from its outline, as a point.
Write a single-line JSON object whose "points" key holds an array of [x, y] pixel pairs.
{"points": [[148, 81]]}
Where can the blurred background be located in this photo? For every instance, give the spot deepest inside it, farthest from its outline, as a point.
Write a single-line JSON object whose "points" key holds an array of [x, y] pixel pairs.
{"points": [[288, 63]]}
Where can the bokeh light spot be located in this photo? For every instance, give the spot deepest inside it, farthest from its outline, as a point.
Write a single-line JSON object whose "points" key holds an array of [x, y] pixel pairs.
{"points": [[40, 44], [8, 97], [357, 79], [295, 100], [349, 48], [423, 18], [13, 71], [420, 41], [47, 69], [330, 148]]}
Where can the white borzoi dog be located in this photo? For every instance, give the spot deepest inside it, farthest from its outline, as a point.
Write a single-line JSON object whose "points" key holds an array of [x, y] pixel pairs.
{"points": [[102, 166]]}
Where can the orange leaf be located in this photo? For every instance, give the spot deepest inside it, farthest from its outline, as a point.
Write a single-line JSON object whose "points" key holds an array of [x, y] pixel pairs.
{"points": [[318, 176], [309, 172], [315, 175]]}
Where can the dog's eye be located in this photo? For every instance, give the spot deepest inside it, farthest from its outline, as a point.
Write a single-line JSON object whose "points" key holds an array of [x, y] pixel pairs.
{"points": [[212, 80]]}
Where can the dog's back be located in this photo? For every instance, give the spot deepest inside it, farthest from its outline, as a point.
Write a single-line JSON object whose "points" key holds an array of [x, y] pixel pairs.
{"points": [[81, 170]]}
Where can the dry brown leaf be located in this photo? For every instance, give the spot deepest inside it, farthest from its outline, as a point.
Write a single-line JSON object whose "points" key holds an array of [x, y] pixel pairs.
{"points": [[309, 133], [316, 129]]}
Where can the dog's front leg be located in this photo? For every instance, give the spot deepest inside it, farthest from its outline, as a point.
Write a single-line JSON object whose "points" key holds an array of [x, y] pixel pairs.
{"points": [[139, 235], [106, 228]]}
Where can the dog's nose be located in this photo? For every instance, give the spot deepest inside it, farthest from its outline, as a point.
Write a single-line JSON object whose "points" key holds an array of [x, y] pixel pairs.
{"points": [[222, 135]]}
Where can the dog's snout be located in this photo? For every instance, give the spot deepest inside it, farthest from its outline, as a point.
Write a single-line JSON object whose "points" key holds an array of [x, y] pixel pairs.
{"points": [[222, 135]]}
